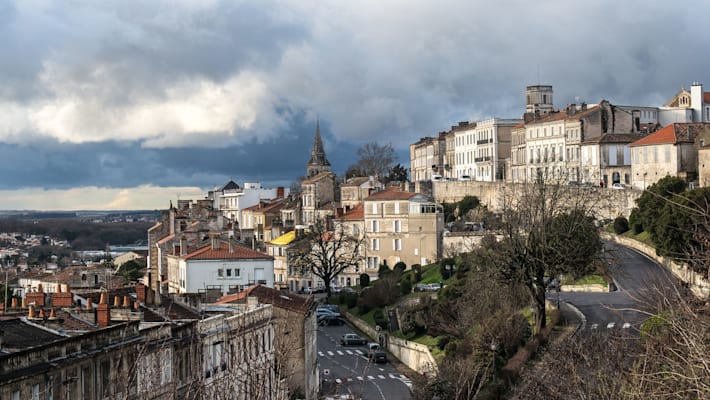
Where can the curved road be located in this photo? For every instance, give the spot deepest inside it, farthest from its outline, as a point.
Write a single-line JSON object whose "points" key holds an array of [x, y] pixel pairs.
{"points": [[640, 282]]}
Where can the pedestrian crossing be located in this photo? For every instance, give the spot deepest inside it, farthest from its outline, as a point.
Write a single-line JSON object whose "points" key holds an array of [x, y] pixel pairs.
{"points": [[609, 326], [378, 377], [341, 353]]}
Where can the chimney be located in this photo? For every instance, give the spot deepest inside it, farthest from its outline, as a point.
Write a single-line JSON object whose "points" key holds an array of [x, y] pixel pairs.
{"points": [[126, 302], [31, 313], [24, 302], [36, 297], [583, 106], [183, 245], [103, 315], [14, 302], [41, 313], [140, 293], [89, 304], [52, 315], [116, 301], [214, 238], [63, 298], [280, 192], [103, 298], [39, 288]]}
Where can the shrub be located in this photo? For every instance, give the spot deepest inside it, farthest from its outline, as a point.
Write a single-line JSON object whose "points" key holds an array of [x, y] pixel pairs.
{"points": [[364, 280], [442, 342], [638, 228], [401, 266], [384, 292], [417, 270], [621, 225], [383, 271], [405, 285], [380, 318]]}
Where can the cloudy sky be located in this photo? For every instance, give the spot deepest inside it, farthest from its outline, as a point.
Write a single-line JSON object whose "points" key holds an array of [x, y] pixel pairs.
{"points": [[129, 104]]}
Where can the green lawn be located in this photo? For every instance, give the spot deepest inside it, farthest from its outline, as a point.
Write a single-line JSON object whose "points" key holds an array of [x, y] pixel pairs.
{"points": [[592, 279]]}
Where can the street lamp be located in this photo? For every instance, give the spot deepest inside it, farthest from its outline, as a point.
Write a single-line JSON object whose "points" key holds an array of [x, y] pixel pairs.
{"points": [[644, 180]]}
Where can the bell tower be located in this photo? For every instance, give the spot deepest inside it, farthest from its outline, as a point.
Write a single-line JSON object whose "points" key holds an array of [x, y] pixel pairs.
{"points": [[318, 162]]}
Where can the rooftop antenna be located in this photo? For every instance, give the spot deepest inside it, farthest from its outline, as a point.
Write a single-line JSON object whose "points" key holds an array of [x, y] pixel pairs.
{"points": [[538, 74]]}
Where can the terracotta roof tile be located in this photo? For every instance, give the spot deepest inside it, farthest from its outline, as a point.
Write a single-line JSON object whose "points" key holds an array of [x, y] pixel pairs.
{"points": [[706, 97], [224, 253], [674, 133], [391, 193], [267, 295], [356, 213]]}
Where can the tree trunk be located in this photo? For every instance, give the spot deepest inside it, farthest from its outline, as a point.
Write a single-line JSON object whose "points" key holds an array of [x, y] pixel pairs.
{"points": [[541, 316]]}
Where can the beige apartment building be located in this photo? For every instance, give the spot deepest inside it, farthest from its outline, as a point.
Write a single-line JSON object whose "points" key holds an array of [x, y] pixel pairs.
{"points": [[402, 226]]}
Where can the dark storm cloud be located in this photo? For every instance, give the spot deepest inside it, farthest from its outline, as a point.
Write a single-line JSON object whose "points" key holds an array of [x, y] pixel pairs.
{"points": [[170, 93]]}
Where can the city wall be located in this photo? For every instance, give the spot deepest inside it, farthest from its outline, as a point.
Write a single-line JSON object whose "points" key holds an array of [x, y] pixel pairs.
{"points": [[608, 203]]}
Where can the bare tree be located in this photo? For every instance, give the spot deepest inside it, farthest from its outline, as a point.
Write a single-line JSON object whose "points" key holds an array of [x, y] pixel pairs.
{"points": [[374, 160], [547, 230], [326, 253]]}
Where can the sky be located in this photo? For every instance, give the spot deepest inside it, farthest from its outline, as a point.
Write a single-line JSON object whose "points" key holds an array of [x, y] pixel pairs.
{"points": [[120, 104]]}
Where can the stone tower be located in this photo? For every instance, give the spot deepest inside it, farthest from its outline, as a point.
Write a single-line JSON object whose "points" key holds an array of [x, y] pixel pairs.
{"points": [[318, 162], [538, 99]]}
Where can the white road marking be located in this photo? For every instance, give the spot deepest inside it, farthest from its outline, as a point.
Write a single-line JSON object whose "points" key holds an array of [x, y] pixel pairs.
{"points": [[370, 377], [610, 325], [320, 353], [330, 353], [349, 352], [594, 326], [338, 381], [381, 376], [340, 353], [626, 325], [359, 352], [360, 378]]}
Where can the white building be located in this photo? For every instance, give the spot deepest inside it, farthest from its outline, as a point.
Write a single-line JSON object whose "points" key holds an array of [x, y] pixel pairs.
{"points": [[225, 266], [231, 199], [481, 148]]}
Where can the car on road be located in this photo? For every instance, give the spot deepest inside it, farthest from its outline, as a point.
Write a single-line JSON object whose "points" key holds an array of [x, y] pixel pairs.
{"points": [[327, 320], [326, 313], [375, 353], [349, 339], [617, 186]]}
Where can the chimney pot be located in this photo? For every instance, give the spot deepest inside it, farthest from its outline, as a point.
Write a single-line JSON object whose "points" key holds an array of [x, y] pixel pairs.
{"points": [[116, 301], [24, 302], [31, 313], [126, 302], [89, 305], [103, 299], [14, 302], [52, 315], [39, 288], [41, 313]]}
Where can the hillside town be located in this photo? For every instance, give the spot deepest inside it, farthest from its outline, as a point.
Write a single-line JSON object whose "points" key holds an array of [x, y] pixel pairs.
{"points": [[228, 302]]}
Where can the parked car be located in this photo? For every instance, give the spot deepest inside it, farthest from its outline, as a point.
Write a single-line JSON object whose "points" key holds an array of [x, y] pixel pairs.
{"points": [[617, 186], [348, 290], [437, 178], [324, 311], [327, 320], [332, 307], [352, 339], [375, 353], [465, 177]]}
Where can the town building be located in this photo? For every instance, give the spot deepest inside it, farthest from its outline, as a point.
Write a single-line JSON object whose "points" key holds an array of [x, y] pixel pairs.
{"points": [[227, 267], [671, 151], [294, 339], [427, 158], [482, 148], [402, 226], [231, 200]]}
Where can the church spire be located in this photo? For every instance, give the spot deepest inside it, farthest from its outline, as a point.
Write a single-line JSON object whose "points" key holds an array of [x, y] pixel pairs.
{"points": [[318, 162]]}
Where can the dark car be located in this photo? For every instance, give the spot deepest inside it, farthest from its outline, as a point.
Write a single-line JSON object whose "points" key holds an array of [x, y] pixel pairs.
{"points": [[326, 320], [375, 353], [352, 339]]}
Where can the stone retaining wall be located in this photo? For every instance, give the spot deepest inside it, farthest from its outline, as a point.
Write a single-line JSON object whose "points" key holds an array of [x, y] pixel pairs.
{"points": [[414, 355]]}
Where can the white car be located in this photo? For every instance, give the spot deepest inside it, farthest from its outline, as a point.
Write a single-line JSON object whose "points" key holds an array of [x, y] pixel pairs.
{"points": [[617, 186], [465, 177]]}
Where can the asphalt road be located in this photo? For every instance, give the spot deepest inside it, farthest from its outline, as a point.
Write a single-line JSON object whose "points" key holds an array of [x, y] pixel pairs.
{"points": [[640, 282], [347, 370]]}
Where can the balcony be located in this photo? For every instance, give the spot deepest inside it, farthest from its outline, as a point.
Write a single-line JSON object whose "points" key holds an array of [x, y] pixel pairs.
{"points": [[482, 159], [484, 141]]}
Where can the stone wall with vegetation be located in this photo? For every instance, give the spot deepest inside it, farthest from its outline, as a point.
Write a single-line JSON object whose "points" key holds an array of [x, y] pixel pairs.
{"points": [[414, 355]]}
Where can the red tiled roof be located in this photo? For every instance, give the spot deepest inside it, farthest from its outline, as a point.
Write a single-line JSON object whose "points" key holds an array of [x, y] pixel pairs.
{"points": [[706, 97], [224, 253], [273, 206], [674, 133], [267, 295], [356, 213], [391, 193]]}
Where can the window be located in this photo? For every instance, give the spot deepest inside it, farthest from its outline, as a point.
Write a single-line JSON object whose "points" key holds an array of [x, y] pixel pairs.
{"points": [[375, 226], [229, 272], [373, 262], [375, 244], [220, 272], [396, 207], [397, 244], [356, 229], [397, 226], [374, 208], [237, 272]]}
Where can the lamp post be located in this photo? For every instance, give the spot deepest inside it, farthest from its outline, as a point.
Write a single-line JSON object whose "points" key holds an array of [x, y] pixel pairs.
{"points": [[644, 180]]}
